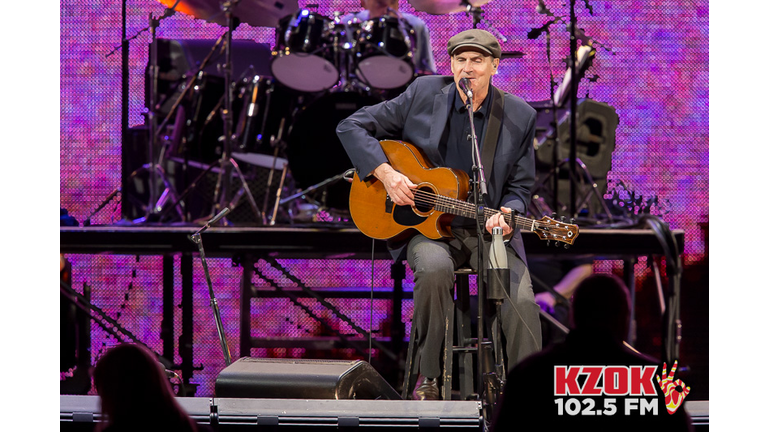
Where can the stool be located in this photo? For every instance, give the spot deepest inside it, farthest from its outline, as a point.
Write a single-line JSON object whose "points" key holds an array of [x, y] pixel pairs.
{"points": [[460, 316]]}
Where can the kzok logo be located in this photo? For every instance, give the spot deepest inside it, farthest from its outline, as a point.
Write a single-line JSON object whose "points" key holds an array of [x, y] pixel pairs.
{"points": [[673, 398], [616, 381], [607, 382]]}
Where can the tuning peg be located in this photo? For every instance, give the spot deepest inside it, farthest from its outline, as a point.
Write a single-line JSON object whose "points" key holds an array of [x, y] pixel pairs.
{"points": [[571, 221], [547, 242], [562, 219], [566, 246], [557, 244], [553, 215]]}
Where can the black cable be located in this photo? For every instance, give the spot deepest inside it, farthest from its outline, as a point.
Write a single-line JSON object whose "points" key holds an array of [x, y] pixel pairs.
{"points": [[672, 253], [370, 317]]}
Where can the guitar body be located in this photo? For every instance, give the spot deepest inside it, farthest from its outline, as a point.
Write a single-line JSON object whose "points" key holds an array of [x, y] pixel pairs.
{"points": [[377, 217]]}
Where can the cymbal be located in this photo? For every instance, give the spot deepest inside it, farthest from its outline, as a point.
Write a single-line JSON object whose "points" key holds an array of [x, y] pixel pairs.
{"points": [[442, 7], [512, 54], [261, 160], [258, 13]]}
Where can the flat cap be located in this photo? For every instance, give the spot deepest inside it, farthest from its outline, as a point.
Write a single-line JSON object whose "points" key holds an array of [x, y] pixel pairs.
{"points": [[475, 38]]}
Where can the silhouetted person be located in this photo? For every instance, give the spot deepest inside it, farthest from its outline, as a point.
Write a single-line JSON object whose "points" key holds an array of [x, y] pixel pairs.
{"points": [[600, 314], [135, 393]]}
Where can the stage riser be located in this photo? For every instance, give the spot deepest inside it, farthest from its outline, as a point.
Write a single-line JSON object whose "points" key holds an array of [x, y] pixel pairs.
{"points": [[239, 414]]}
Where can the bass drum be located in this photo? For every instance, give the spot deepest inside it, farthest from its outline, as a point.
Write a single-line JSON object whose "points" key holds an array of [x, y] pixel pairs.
{"points": [[314, 151]]}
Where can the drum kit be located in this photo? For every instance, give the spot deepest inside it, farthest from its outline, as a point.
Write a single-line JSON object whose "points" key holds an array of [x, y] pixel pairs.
{"points": [[322, 69]]}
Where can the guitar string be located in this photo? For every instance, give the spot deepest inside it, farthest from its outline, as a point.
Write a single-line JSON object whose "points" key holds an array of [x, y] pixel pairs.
{"points": [[465, 209]]}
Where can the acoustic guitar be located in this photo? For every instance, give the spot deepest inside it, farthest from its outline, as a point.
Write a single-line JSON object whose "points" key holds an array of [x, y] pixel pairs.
{"points": [[439, 197]]}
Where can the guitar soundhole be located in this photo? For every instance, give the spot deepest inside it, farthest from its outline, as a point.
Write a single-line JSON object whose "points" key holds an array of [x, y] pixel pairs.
{"points": [[424, 199]]}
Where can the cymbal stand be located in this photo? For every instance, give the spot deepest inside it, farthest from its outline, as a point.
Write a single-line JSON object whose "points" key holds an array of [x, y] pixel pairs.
{"points": [[226, 162], [155, 205], [276, 143], [572, 62], [346, 175], [478, 16], [534, 34], [344, 44]]}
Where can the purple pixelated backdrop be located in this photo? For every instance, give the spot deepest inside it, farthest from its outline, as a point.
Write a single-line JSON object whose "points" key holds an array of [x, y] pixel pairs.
{"points": [[657, 80]]}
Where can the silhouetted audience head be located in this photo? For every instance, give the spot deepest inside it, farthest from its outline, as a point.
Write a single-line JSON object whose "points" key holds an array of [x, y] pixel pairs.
{"points": [[601, 304], [135, 393]]}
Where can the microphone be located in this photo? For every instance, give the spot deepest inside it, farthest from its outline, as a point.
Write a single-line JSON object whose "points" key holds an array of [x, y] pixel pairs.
{"points": [[217, 217], [195, 238], [542, 9], [535, 33], [464, 86]]}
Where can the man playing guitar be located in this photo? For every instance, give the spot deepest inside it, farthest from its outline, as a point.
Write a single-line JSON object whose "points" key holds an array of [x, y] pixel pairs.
{"points": [[431, 114]]}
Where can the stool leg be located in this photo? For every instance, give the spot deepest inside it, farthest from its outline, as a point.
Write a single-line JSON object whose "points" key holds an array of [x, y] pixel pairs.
{"points": [[448, 356], [410, 362], [496, 338], [464, 336]]}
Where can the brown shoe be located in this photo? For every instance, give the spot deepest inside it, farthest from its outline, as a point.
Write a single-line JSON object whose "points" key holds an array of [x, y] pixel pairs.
{"points": [[426, 389]]}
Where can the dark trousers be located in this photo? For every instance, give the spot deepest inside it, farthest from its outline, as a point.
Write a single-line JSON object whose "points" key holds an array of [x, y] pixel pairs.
{"points": [[433, 263]]}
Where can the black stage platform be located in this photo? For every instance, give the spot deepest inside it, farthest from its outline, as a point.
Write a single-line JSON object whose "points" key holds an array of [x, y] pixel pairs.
{"points": [[246, 245], [325, 242], [82, 413]]}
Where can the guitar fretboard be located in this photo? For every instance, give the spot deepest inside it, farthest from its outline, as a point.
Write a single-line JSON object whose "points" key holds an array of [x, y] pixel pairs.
{"points": [[460, 208]]}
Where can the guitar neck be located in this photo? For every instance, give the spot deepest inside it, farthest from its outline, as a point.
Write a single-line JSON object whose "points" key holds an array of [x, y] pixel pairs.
{"points": [[468, 210]]}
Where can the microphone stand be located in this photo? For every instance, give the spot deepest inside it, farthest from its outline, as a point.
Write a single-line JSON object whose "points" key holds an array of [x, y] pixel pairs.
{"points": [[534, 34], [197, 239], [478, 17], [479, 190], [556, 146], [573, 106]]}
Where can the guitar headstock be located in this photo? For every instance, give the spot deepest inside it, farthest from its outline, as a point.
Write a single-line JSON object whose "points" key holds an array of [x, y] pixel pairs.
{"points": [[559, 231]]}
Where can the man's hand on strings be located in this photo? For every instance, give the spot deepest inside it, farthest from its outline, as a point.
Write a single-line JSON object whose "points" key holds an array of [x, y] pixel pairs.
{"points": [[498, 221], [398, 186]]}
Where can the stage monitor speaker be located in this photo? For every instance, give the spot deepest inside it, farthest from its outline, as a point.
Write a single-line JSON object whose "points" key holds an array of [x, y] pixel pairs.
{"points": [[302, 379], [596, 124]]}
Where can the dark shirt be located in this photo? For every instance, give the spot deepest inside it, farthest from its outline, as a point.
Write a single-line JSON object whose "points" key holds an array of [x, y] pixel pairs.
{"points": [[456, 143]]}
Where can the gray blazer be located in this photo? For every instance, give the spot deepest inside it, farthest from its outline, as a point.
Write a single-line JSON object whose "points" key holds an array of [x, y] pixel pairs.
{"points": [[419, 116]]}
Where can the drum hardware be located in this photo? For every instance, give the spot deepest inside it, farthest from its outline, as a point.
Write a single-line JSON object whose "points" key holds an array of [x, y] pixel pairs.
{"points": [[313, 150], [227, 167], [345, 43], [579, 61], [444, 7], [313, 207], [155, 207], [154, 168], [253, 12], [273, 163], [257, 13]]}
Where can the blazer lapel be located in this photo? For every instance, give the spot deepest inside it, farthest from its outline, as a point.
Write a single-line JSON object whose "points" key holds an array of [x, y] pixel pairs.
{"points": [[492, 129], [439, 118]]}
